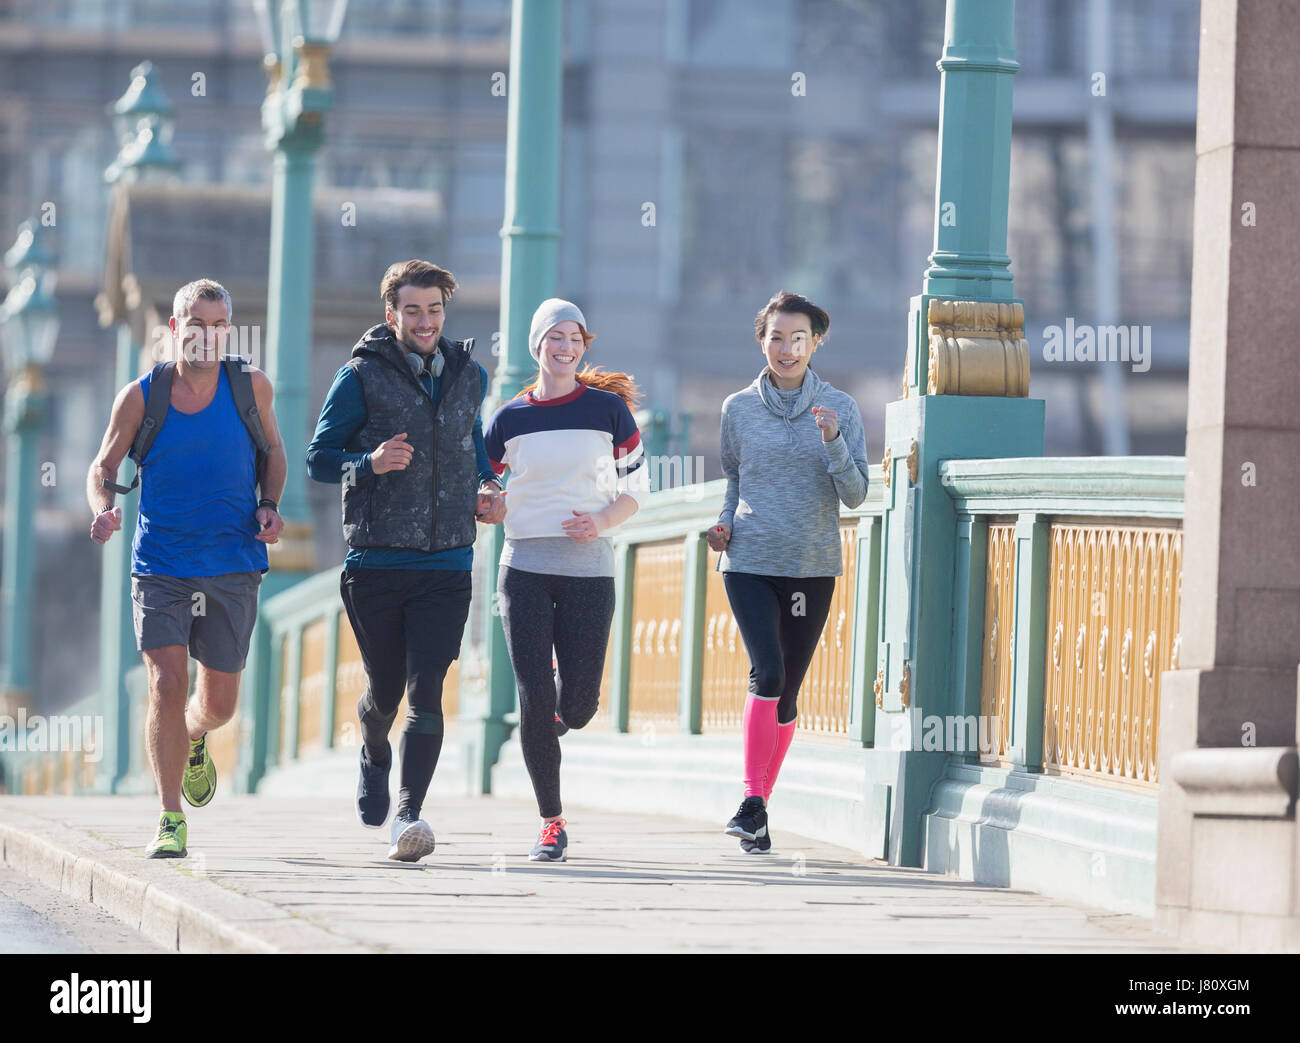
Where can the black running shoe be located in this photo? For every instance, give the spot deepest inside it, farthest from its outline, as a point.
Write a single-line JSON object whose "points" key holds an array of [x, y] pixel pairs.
{"points": [[750, 821], [372, 791], [761, 846]]}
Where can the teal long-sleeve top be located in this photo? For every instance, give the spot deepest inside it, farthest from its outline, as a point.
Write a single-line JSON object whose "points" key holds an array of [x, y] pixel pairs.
{"points": [[334, 446]]}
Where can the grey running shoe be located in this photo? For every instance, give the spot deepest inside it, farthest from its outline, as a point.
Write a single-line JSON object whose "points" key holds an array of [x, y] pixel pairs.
{"points": [[412, 838]]}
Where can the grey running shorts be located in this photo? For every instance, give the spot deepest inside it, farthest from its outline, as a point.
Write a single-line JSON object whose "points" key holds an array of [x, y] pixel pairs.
{"points": [[212, 616]]}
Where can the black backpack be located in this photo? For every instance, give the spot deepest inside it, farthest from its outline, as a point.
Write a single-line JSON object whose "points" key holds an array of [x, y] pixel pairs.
{"points": [[155, 412]]}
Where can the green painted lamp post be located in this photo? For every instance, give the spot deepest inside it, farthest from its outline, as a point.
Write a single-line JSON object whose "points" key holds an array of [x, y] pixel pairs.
{"points": [[965, 395], [529, 263], [143, 120], [31, 326], [297, 36]]}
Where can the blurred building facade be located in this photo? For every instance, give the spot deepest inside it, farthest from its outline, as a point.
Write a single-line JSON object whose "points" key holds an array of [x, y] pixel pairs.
{"points": [[715, 151]]}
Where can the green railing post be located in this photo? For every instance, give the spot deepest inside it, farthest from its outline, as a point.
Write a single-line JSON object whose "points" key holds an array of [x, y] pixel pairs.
{"points": [[529, 263], [694, 591], [329, 696], [866, 628], [968, 605], [620, 670], [291, 711], [1028, 656]]}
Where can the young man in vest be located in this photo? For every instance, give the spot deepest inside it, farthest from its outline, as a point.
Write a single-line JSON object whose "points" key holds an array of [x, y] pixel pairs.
{"points": [[400, 429], [199, 549]]}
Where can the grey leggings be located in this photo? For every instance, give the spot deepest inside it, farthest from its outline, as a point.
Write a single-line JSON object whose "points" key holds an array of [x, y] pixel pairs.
{"points": [[573, 615]]}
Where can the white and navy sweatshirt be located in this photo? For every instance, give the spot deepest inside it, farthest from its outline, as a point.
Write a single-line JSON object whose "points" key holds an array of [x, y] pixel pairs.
{"points": [[578, 452]]}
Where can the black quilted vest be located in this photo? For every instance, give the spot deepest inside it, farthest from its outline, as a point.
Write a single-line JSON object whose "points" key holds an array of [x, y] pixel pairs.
{"points": [[428, 506]]}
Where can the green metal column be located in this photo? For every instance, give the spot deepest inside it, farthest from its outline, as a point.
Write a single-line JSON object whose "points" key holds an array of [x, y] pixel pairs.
{"points": [[117, 651], [969, 260], [144, 120], [299, 97], [529, 265], [25, 401], [289, 314], [919, 531]]}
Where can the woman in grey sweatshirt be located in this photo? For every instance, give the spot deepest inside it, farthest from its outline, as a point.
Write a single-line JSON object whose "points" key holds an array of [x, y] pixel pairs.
{"points": [[793, 450]]}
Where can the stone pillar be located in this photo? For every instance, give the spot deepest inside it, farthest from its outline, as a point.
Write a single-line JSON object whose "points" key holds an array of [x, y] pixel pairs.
{"points": [[1228, 867]]}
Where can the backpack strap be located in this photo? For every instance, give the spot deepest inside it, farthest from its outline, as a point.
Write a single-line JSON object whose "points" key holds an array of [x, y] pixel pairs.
{"points": [[241, 387], [155, 412]]}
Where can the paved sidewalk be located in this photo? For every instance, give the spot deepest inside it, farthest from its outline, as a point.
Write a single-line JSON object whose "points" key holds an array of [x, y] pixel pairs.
{"points": [[299, 874]]}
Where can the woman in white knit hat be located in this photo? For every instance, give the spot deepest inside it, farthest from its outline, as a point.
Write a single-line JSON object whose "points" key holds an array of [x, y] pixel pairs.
{"points": [[576, 472]]}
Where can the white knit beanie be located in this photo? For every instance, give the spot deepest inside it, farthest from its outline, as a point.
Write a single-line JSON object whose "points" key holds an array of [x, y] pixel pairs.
{"points": [[549, 314]]}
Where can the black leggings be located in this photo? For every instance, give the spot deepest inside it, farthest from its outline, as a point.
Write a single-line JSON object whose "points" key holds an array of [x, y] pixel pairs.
{"points": [[571, 614], [408, 624], [780, 619]]}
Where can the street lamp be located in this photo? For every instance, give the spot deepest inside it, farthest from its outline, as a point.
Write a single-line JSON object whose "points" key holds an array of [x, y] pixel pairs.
{"points": [[30, 322], [29, 313], [297, 36], [145, 122]]}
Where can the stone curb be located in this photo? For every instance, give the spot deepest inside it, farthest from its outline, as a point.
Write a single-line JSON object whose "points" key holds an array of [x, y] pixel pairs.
{"points": [[175, 911]]}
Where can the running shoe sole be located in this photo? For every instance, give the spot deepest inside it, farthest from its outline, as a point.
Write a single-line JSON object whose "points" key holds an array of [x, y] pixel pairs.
{"points": [[182, 853], [736, 831], [415, 841]]}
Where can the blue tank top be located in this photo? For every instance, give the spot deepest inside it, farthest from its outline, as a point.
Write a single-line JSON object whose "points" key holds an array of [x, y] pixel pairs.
{"points": [[198, 494]]}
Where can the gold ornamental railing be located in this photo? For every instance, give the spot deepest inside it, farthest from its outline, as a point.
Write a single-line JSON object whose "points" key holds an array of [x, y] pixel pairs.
{"points": [[1112, 625], [655, 670], [1081, 593]]}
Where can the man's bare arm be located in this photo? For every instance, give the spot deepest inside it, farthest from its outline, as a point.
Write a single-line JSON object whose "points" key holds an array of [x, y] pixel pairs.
{"points": [[123, 423], [277, 465]]}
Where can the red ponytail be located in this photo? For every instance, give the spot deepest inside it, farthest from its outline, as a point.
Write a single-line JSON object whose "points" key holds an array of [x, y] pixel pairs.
{"points": [[621, 384]]}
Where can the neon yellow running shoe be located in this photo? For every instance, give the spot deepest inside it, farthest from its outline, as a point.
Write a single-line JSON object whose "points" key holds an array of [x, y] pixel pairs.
{"points": [[199, 783], [170, 841]]}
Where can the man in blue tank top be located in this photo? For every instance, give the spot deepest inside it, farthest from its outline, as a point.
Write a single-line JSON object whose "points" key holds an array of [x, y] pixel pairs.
{"points": [[199, 549]]}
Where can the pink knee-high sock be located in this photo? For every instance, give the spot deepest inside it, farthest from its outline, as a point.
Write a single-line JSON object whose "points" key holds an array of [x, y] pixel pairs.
{"points": [[760, 743], [784, 735]]}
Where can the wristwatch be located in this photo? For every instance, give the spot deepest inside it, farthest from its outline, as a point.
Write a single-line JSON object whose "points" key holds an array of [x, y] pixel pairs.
{"points": [[269, 503]]}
